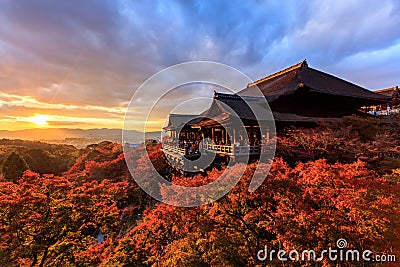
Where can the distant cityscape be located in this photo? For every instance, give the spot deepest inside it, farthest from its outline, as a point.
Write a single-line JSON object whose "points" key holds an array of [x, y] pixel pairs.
{"points": [[79, 138]]}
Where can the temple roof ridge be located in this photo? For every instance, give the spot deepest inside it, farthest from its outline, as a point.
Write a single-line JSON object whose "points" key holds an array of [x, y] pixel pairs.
{"points": [[279, 73]]}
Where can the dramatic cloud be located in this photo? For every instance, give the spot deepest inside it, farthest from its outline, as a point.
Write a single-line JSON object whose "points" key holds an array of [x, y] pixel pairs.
{"points": [[90, 56]]}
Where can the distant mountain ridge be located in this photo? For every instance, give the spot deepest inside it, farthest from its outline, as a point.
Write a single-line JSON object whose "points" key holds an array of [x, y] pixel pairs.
{"points": [[63, 133]]}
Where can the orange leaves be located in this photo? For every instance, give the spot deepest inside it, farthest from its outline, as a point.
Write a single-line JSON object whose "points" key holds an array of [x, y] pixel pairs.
{"points": [[342, 143], [50, 213], [309, 206]]}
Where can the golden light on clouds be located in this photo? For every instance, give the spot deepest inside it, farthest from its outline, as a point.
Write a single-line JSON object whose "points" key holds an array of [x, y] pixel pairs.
{"points": [[18, 112], [24, 112], [83, 69], [29, 101]]}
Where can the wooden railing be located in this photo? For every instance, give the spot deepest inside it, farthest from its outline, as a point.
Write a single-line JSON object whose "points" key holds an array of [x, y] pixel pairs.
{"points": [[174, 149], [218, 148], [221, 149], [244, 150], [232, 150]]}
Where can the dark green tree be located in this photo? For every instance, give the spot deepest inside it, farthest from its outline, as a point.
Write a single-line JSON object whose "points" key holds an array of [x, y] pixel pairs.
{"points": [[13, 167]]}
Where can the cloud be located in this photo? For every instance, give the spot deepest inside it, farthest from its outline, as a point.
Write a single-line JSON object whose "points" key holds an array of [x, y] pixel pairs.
{"points": [[96, 53], [67, 124], [16, 111]]}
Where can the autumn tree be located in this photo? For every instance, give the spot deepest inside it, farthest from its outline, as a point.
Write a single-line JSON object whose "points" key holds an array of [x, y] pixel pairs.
{"points": [[312, 196], [342, 142], [46, 220], [309, 206]]}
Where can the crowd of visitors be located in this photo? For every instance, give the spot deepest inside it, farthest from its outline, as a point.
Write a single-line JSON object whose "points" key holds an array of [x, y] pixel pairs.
{"points": [[195, 145]]}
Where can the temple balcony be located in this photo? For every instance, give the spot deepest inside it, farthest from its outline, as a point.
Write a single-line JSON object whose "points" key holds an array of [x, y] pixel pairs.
{"points": [[232, 150], [173, 149], [229, 150]]}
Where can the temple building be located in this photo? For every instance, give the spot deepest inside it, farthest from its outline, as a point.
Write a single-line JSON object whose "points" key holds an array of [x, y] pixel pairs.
{"points": [[392, 92], [303, 94], [297, 96], [388, 108]]}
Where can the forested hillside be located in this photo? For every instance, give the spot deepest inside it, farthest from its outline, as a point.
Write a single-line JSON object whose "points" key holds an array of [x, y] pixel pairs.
{"points": [[334, 181]]}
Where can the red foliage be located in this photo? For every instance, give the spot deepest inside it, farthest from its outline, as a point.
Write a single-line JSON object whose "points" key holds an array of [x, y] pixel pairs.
{"points": [[306, 207], [317, 192], [47, 219]]}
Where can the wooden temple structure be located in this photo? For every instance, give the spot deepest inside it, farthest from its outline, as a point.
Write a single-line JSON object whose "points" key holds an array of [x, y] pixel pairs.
{"points": [[394, 94], [298, 95]]}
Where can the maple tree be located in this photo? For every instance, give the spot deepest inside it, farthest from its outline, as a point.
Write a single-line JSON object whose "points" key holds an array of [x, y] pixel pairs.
{"points": [[326, 183], [341, 142], [310, 206], [46, 219]]}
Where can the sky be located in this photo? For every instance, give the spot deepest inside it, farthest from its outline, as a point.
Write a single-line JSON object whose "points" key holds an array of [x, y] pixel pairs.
{"points": [[76, 64]]}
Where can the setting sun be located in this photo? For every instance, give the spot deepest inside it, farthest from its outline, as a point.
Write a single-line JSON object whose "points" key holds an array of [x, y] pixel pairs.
{"points": [[39, 120]]}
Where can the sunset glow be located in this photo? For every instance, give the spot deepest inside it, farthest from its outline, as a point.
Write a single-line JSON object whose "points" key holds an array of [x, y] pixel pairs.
{"points": [[39, 120], [83, 69]]}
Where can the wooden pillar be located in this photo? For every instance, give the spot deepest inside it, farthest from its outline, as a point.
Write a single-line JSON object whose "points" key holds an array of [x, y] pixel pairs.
{"points": [[234, 136], [226, 137], [223, 136], [212, 134]]}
